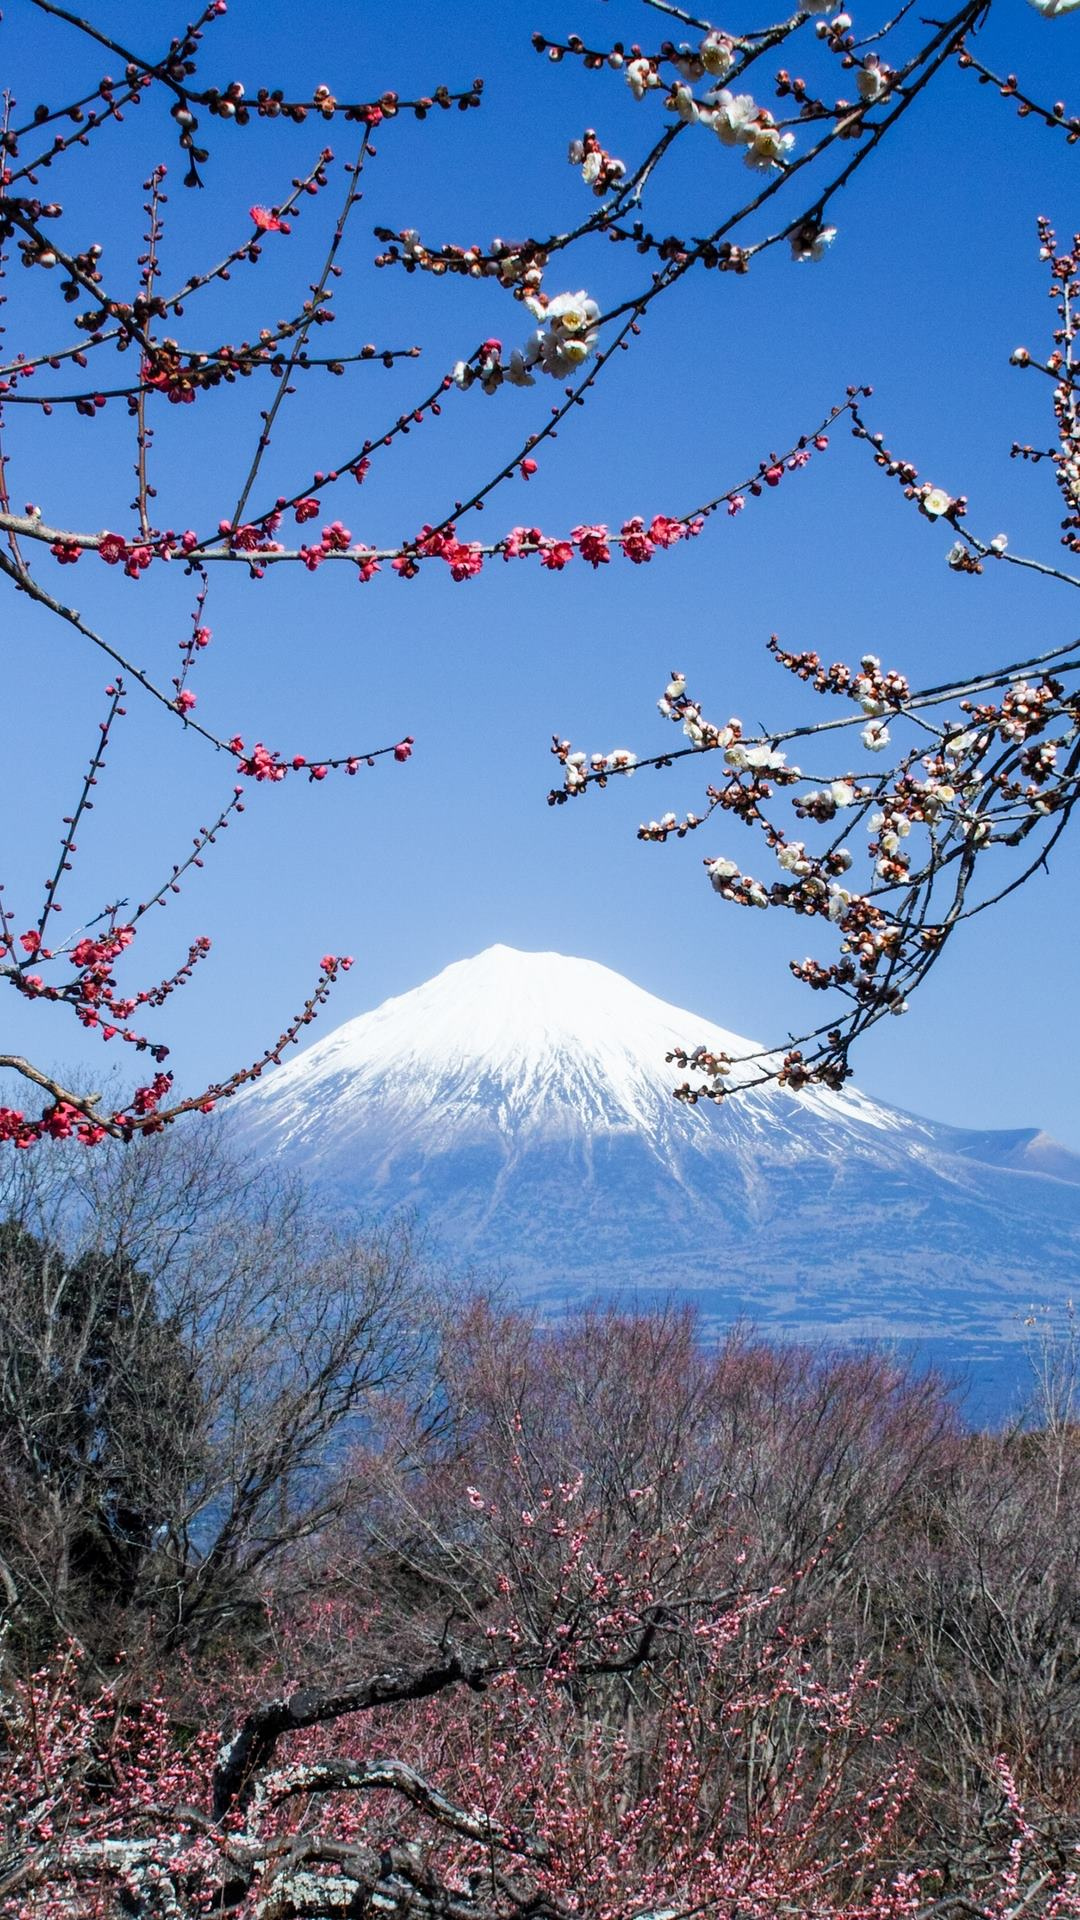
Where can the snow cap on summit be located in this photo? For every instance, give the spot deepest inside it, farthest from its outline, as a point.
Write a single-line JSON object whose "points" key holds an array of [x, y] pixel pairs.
{"points": [[530, 1044]]}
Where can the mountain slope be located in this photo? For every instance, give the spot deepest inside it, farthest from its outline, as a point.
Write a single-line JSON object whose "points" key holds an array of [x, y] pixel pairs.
{"points": [[521, 1103]]}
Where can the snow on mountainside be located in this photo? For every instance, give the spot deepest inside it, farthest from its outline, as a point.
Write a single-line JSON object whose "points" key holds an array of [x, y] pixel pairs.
{"points": [[521, 1104], [532, 1045]]}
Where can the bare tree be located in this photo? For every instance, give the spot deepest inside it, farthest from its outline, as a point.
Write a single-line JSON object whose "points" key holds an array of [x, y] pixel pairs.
{"points": [[184, 1354]]}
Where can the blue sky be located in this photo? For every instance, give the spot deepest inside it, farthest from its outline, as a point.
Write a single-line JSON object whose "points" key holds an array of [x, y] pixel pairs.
{"points": [[932, 281]]}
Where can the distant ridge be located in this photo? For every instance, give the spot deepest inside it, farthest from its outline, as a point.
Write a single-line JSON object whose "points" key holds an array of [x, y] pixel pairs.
{"points": [[521, 1104]]}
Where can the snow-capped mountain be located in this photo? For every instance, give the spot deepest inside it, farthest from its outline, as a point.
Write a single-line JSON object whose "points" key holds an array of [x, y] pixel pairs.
{"points": [[520, 1103]]}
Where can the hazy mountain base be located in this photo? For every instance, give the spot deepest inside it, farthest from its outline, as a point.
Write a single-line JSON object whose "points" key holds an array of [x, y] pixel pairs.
{"points": [[823, 1252]]}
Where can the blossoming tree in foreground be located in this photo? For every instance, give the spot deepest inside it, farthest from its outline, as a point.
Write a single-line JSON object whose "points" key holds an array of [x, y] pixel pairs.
{"points": [[619, 1733], [89, 338]]}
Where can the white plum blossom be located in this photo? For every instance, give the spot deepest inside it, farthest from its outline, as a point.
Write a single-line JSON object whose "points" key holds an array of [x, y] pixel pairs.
{"points": [[594, 162], [768, 145], [960, 744], [839, 902], [640, 75], [759, 759], [764, 759], [730, 116], [875, 736], [568, 337], [793, 858], [682, 102], [573, 313], [935, 501], [1051, 8], [491, 372], [721, 871], [717, 54], [842, 793], [811, 242], [870, 702], [621, 760], [676, 687], [872, 81], [890, 828], [999, 543], [559, 358]]}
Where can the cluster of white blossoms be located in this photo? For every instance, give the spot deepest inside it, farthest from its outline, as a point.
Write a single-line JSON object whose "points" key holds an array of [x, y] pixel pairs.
{"points": [[568, 335], [738, 121], [863, 687], [714, 56], [934, 797], [823, 804], [578, 767], [840, 899], [760, 759], [599, 170], [557, 348], [722, 873], [792, 857], [491, 370], [674, 705], [739, 756], [891, 829], [735, 118]]}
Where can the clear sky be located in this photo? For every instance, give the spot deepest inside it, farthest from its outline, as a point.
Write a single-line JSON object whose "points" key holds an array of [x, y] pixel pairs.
{"points": [[933, 279]]}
